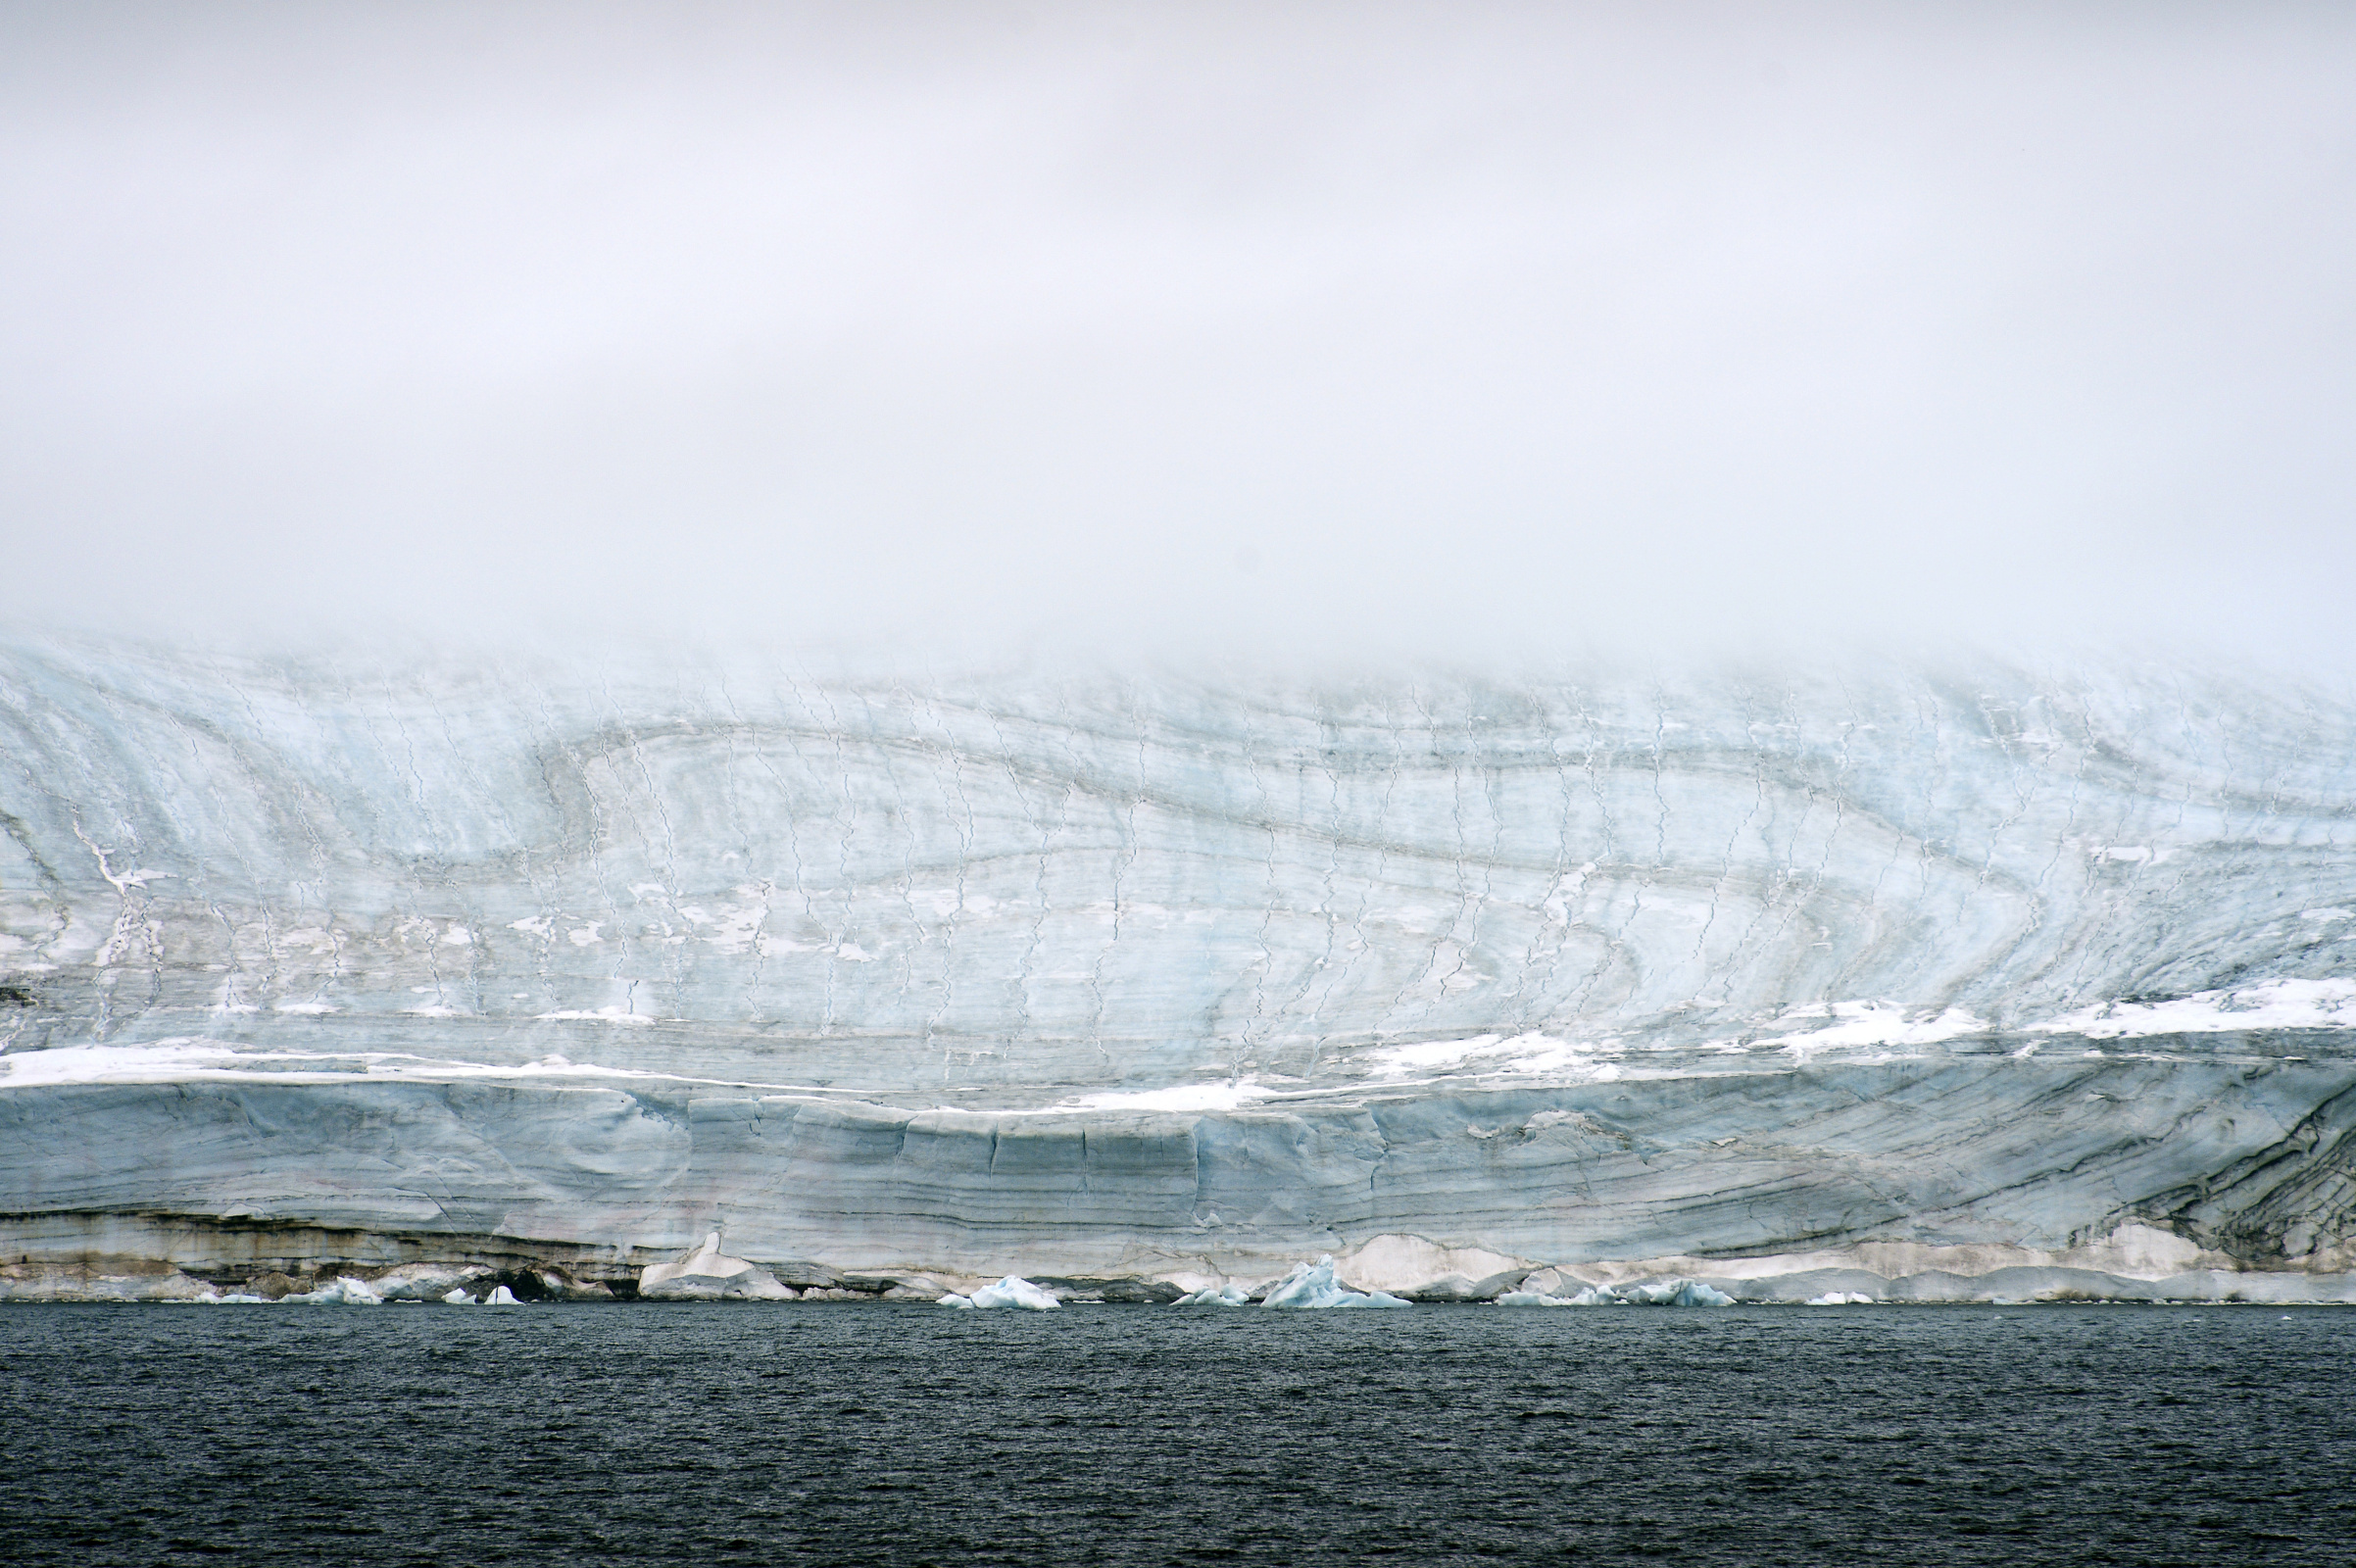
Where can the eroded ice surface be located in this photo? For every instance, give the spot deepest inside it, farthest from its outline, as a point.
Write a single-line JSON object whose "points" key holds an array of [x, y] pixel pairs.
{"points": [[1171, 979]]}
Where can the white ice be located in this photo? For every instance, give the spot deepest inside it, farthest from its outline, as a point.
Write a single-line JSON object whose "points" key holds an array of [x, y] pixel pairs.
{"points": [[1216, 1295], [1311, 1287], [1013, 1291]]}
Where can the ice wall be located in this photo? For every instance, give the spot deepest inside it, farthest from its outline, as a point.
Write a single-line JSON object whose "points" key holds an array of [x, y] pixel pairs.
{"points": [[1588, 963]]}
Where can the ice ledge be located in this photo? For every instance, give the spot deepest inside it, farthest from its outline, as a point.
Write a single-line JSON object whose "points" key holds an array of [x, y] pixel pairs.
{"points": [[2133, 1264]]}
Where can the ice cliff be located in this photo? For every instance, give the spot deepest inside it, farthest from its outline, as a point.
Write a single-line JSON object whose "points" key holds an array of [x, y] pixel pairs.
{"points": [[306, 963]]}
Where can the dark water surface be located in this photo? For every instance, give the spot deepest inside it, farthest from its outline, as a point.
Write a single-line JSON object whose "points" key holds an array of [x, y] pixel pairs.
{"points": [[906, 1434]]}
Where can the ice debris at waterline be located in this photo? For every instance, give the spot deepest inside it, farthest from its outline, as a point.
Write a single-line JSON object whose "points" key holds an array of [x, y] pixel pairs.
{"points": [[1216, 1295], [1311, 1286], [336, 1293], [1009, 1292], [1939, 984], [1659, 1292]]}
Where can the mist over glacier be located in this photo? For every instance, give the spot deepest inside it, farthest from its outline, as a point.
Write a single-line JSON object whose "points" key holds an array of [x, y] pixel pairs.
{"points": [[1563, 652], [1173, 977]]}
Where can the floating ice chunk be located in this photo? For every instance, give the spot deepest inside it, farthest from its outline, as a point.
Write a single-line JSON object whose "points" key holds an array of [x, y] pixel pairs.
{"points": [[1536, 1298], [501, 1295], [1216, 1295], [964, 1303], [1311, 1287], [459, 1298], [1840, 1299], [1015, 1291]]}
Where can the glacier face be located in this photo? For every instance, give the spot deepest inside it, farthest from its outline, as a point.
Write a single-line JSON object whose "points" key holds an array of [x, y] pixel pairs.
{"points": [[333, 959]]}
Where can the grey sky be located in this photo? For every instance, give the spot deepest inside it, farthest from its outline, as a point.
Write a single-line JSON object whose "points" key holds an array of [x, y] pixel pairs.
{"points": [[1436, 329]]}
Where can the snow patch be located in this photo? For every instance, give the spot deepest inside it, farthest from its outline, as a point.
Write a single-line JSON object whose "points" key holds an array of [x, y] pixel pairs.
{"points": [[1183, 1097], [1865, 1024], [1515, 1053], [2271, 1004]]}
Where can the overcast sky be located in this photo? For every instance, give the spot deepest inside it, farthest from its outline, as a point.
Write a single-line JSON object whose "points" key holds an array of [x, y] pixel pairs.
{"points": [[1427, 328]]}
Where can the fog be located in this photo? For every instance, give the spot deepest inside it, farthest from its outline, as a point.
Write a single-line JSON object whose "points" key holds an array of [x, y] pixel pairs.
{"points": [[1450, 331]]}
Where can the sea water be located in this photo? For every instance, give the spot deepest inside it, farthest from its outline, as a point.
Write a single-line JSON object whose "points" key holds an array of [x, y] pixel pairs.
{"points": [[761, 1433]]}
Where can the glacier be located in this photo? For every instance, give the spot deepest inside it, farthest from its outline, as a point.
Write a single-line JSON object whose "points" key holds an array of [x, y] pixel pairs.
{"points": [[1921, 982]]}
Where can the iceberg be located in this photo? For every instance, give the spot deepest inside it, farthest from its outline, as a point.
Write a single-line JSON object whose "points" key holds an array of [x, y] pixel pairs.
{"points": [[1311, 1287], [1011, 1291], [1216, 1295], [1891, 981], [706, 1274]]}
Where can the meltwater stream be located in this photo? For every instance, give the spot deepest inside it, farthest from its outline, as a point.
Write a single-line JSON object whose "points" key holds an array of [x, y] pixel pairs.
{"points": [[907, 1435]]}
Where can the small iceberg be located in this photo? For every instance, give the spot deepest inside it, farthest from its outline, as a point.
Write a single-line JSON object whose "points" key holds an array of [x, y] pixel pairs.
{"points": [[1311, 1288], [501, 1295], [1840, 1299], [706, 1274], [1216, 1295], [1013, 1291]]}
